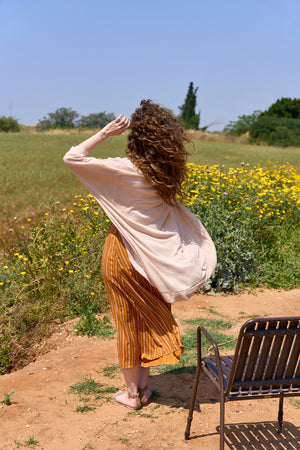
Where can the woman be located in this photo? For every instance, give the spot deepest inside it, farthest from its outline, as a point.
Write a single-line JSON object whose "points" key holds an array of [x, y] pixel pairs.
{"points": [[156, 252]]}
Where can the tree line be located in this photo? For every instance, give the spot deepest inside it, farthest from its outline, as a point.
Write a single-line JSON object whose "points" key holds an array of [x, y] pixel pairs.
{"points": [[65, 118], [278, 125]]}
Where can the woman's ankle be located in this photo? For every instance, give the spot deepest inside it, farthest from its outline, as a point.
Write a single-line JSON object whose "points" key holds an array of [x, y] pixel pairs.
{"points": [[145, 394]]}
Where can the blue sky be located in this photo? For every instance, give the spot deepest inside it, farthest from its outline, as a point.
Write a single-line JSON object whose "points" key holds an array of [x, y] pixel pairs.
{"points": [[94, 55]]}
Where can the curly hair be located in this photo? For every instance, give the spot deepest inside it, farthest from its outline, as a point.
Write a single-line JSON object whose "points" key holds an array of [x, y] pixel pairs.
{"points": [[156, 148]]}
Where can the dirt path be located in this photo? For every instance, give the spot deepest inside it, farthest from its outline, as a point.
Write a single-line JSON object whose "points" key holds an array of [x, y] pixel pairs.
{"points": [[43, 408]]}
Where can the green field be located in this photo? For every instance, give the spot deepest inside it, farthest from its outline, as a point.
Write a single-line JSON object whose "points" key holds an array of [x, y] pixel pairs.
{"points": [[32, 171]]}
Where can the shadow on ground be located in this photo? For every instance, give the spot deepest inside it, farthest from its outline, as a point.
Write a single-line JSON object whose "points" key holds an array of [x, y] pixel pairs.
{"points": [[254, 436], [262, 435]]}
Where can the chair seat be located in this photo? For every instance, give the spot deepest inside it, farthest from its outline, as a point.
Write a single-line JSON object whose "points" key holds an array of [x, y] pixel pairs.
{"points": [[226, 364], [244, 388]]}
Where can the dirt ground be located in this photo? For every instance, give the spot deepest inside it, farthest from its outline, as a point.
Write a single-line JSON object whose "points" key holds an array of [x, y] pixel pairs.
{"points": [[43, 409]]}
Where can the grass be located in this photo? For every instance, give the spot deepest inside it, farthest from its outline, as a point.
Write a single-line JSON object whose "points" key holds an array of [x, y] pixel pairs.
{"points": [[91, 387], [232, 154], [188, 359], [32, 170], [90, 390], [111, 371]]}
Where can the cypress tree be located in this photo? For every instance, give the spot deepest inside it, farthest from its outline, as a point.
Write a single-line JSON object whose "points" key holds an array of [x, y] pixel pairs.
{"points": [[188, 116]]}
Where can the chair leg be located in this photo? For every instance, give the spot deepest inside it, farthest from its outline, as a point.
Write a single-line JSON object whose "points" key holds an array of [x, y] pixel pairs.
{"points": [[222, 416], [280, 414], [192, 404]]}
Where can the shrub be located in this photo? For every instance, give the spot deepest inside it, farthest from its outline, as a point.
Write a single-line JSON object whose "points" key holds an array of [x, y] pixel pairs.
{"points": [[50, 270], [276, 131], [9, 124], [238, 207]]}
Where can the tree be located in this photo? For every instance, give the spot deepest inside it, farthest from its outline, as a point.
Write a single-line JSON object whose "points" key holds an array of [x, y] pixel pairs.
{"points": [[242, 125], [188, 116], [97, 120], [9, 124], [61, 118], [284, 107], [279, 131]]}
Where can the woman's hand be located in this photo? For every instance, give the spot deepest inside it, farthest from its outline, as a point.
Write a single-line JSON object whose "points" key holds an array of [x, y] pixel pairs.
{"points": [[116, 127]]}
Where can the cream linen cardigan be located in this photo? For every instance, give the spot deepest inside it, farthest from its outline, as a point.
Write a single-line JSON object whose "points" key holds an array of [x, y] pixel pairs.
{"points": [[166, 244]]}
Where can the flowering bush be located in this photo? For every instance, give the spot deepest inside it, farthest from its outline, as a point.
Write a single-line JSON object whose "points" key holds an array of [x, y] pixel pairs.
{"points": [[51, 269], [241, 208]]}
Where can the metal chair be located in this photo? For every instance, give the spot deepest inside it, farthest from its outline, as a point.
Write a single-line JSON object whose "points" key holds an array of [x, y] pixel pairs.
{"points": [[266, 363]]}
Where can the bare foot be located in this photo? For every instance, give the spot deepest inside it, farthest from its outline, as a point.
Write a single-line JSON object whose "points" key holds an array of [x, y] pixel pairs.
{"points": [[131, 401]]}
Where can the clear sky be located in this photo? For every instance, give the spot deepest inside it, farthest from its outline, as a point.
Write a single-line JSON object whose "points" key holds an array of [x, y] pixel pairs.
{"points": [[95, 55]]}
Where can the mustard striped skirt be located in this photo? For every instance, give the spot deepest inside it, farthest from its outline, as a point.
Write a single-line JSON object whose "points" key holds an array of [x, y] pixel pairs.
{"points": [[147, 333]]}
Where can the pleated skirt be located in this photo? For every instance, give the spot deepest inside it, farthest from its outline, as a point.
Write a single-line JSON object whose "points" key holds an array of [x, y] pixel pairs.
{"points": [[147, 333]]}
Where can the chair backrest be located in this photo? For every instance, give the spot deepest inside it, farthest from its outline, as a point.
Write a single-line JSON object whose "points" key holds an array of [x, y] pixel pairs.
{"points": [[267, 358]]}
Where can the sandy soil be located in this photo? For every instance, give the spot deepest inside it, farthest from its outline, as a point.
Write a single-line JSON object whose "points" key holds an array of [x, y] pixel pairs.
{"points": [[44, 409]]}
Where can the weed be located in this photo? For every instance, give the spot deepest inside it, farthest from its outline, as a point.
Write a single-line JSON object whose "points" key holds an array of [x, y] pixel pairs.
{"points": [[84, 399], [5, 351], [32, 441], [84, 408], [295, 402], [89, 325], [28, 443], [210, 310], [111, 371], [139, 413], [88, 388], [7, 399]]}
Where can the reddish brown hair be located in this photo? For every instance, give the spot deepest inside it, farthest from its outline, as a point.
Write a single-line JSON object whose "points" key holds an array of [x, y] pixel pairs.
{"points": [[156, 148]]}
